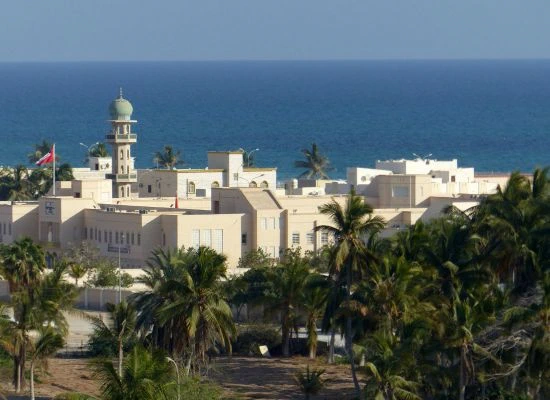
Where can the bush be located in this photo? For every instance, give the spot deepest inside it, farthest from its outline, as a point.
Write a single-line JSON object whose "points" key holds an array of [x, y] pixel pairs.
{"points": [[193, 388], [250, 338]]}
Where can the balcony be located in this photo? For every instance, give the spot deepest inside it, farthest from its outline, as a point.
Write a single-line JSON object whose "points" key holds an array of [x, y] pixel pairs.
{"points": [[122, 178], [126, 138]]}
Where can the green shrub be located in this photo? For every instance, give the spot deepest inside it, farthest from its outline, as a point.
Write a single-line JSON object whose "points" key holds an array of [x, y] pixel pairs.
{"points": [[251, 337]]}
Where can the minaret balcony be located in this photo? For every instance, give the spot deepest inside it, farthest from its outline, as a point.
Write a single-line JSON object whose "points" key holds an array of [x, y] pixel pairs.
{"points": [[121, 138], [123, 178]]}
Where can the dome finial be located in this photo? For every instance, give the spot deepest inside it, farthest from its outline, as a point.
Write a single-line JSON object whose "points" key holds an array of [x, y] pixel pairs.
{"points": [[120, 93]]}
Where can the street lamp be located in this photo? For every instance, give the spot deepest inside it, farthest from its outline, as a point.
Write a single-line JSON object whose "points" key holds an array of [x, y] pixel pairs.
{"points": [[88, 148], [249, 156], [251, 179], [177, 373]]}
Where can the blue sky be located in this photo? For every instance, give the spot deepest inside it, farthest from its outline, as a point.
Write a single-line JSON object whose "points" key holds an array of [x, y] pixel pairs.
{"points": [[97, 30]]}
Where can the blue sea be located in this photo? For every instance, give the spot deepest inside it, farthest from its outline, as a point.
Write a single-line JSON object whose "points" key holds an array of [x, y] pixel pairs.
{"points": [[493, 115]]}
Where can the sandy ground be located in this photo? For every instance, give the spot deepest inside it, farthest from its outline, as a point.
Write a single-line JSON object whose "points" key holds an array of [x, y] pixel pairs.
{"points": [[256, 378], [241, 377]]}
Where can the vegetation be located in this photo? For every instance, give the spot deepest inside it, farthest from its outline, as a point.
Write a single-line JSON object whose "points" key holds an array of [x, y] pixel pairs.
{"points": [[310, 382], [316, 165], [98, 150], [38, 299], [168, 158], [40, 150]]}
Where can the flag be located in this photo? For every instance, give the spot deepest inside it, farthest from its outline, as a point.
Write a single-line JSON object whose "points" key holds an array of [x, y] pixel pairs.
{"points": [[48, 157]]}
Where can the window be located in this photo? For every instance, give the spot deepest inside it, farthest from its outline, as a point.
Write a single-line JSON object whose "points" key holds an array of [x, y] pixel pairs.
{"points": [[453, 178], [216, 207], [206, 237], [149, 188], [95, 233], [128, 191], [215, 184], [324, 238], [264, 224], [217, 240], [195, 238], [85, 233], [91, 233], [253, 184], [243, 238], [295, 238], [139, 239], [191, 187], [127, 169], [264, 185], [122, 154], [273, 223], [110, 237], [121, 192], [400, 191], [116, 237], [99, 236], [132, 238], [122, 170], [105, 236], [310, 238], [163, 239], [77, 195], [127, 237]]}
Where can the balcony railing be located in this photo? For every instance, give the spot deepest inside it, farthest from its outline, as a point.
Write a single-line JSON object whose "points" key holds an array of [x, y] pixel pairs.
{"points": [[131, 136], [122, 177]]}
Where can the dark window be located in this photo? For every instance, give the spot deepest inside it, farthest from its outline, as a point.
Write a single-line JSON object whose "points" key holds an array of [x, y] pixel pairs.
{"points": [[453, 178], [243, 238], [149, 189], [216, 207], [77, 195]]}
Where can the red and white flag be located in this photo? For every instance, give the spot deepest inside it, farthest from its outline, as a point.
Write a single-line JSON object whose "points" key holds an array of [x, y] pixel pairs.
{"points": [[48, 157]]}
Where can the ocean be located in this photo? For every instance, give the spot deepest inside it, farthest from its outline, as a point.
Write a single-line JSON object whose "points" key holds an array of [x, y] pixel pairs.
{"points": [[492, 115]]}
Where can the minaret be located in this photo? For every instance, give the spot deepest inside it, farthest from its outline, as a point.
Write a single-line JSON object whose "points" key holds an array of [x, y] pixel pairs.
{"points": [[121, 138]]}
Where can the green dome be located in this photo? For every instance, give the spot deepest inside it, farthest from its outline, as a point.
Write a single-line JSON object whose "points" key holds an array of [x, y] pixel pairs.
{"points": [[120, 108]]}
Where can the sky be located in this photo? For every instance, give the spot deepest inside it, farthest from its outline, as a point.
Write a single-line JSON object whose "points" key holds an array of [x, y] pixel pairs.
{"points": [[127, 30]]}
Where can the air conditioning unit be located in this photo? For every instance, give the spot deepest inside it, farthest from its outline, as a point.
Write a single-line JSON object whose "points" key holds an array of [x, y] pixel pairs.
{"points": [[143, 211], [110, 209]]}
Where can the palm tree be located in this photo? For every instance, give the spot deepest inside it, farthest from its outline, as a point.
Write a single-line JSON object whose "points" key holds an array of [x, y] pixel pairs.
{"points": [[350, 227], [45, 346], [120, 332], [64, 172], [168, 158], [38, 300], [15, 184], [388, 369], [185, 294], [76, 271], [146, 375], [314, 303], [289, 280], [98, 150], [316, 164], [310, 382]]}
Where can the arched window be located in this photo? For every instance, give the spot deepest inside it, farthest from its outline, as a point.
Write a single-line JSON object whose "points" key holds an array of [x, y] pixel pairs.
{"points": [[191, 187], [122, 154], [264, 184], [128, 169], [128, 191], [122, 191], [253, 184], [128, 154], [215, 184], [122, 169]]}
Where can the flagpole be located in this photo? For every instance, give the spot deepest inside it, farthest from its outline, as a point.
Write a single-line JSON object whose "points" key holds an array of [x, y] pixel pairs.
{"points": [[53, 172]]}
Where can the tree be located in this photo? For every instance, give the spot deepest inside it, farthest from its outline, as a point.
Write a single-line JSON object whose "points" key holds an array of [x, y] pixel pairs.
{"points": [[316, 164], [15, 184], [119, 333], [38, 300], [255, 258], [185, 294], [310, 382], [168, 158], [289, 280], [146, 375], [64, 172], [98, 150], [314, 303], [76, 271], [351, 225], [48, 343], [106, 274]]}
